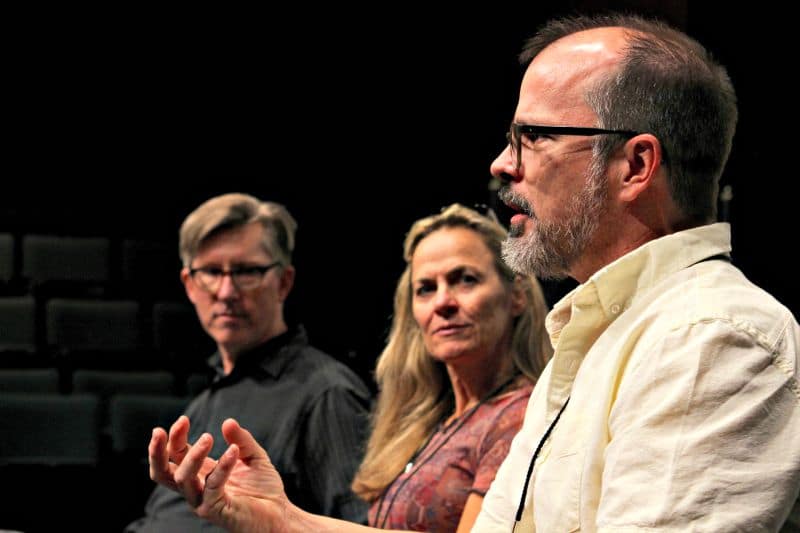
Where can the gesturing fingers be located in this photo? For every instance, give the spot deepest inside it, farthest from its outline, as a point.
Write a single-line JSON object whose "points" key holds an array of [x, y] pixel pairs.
{"points": [[249, 448], [186, 474], [215, 483], [160, 468], [178, 444]]}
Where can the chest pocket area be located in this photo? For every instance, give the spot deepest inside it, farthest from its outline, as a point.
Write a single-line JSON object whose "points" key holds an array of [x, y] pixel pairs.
{"points": [[557, 491]]}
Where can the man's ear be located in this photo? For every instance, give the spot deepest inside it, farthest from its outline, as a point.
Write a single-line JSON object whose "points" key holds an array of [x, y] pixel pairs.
{"points": [[189, 286], [643, 155], [286, 282]]}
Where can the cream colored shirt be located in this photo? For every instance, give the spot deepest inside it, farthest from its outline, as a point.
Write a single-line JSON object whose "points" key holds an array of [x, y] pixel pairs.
{"points": [[684, 403]]}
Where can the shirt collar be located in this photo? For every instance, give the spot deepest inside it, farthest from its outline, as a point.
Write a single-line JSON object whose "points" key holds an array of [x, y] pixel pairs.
{"points": [[615, 286], [270, 357]]}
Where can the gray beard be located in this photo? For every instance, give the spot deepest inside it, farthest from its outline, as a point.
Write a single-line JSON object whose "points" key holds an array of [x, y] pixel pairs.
{"points": [[550, 249]]}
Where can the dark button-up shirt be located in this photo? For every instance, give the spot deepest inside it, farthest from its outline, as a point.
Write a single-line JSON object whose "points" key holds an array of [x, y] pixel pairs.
{"points": [[308, 410]]}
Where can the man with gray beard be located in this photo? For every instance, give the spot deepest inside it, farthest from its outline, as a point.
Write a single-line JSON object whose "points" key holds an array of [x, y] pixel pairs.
{"points": [[672, 399]]}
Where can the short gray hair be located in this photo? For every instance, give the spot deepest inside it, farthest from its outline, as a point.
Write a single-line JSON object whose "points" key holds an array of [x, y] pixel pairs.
{"points": [[669, 85], [234, 210]]}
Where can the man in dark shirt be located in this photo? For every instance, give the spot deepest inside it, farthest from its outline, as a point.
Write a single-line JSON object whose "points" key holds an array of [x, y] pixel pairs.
{"points": [[307, 409]]}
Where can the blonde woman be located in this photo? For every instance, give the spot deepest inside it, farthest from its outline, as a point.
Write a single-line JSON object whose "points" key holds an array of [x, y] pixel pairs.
{"points": [[466, 346]]}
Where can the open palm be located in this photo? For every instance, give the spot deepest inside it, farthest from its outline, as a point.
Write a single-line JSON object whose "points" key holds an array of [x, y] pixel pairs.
{"points": [[240, 490]]}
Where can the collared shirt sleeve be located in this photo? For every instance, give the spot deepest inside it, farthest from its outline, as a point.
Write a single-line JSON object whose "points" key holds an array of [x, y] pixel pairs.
{"points": [[708, 446], [336, 429]]}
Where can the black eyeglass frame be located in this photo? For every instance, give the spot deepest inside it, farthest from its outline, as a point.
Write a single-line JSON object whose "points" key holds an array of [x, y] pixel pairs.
{"points": [[220, 273], [517, 130]]}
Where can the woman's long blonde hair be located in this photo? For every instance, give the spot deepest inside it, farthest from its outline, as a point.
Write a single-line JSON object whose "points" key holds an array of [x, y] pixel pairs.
{"points": [[414, 388]]}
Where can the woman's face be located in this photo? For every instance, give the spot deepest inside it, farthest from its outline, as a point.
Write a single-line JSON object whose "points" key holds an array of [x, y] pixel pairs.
{"points": [[463, 307]]}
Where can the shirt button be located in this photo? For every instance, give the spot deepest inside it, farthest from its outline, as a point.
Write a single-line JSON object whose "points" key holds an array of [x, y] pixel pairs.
{"points": [[615, 309]]}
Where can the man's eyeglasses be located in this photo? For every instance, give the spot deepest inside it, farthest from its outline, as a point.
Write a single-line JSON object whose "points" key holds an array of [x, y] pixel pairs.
{"points": [[530, 131], [243, 277]]}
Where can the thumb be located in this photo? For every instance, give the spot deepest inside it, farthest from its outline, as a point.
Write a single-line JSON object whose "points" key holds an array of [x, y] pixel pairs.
{"points": [[248, 446]]}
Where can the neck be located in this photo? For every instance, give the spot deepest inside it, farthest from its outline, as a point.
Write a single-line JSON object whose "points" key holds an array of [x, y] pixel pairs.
{"points": [[230, 353], [472, 385], [625, 227], [608, 246]]}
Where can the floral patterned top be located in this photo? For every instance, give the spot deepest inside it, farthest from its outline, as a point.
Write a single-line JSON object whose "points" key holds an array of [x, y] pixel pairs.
{"points": [[460, 458]]}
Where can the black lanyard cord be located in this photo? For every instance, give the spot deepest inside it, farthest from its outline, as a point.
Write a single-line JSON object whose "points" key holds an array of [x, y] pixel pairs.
{"points": [[533, 461], [720, 257]]}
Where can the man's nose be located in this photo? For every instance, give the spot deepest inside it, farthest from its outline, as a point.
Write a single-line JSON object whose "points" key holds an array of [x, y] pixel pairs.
{"points": [[504, 167], [227, 288]]}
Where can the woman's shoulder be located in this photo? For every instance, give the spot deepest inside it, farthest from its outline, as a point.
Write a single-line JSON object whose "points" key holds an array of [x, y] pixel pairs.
{"points": [[503, 418], [511, 402], [519, 390]]}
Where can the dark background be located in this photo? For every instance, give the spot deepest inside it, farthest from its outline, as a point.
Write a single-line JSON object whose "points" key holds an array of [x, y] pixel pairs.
{"points": [[118, 121], [121, 122]]}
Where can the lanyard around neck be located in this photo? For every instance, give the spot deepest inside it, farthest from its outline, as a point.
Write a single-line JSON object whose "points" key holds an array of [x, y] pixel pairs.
{"points": [[533, 462]]}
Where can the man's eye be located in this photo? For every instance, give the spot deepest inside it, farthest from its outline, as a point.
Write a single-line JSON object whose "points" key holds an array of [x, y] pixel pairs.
{"points": [[531, 138]]}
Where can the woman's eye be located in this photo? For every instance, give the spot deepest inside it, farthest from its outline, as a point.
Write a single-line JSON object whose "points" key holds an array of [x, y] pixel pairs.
{"points": [[469, 279], [422, 290]]}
